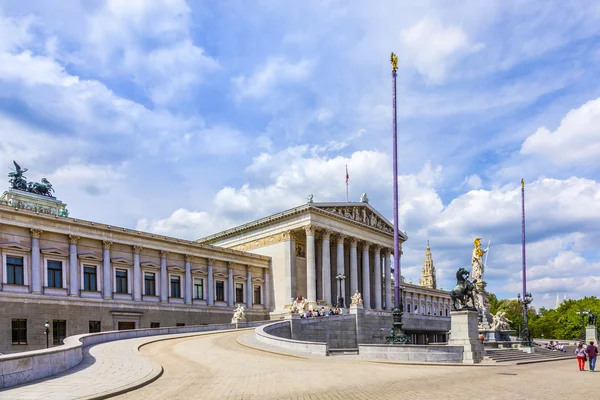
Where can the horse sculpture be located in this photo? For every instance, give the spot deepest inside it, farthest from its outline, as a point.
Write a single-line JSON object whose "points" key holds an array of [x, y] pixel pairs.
{"points": [[463, 291], [44, 188]]}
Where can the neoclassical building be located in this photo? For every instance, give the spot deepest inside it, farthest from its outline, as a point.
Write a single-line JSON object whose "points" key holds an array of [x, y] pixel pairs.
{"points": [[83, 276]]}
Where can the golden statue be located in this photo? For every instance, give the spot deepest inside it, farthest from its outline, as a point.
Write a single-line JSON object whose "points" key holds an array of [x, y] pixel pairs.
{"points": [[522, 183], [394, 61], [476, 260]]}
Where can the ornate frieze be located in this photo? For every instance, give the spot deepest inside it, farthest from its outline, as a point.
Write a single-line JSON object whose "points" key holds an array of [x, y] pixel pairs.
{"points": [[362, 215], [266, 241]]}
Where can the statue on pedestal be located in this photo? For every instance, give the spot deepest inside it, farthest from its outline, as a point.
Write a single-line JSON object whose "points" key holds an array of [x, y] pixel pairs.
{"points": [[238, 314], [476, 260], [293, 307], [463, 291], [592, 318], [357, 299], [500, 322]]}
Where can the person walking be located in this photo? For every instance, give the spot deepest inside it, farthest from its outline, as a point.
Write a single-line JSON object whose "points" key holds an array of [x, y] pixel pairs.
{"points": [[592, 352], [580, 352]]}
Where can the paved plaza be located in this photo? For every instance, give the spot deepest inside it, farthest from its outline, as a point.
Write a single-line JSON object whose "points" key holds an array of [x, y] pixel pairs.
{"points": [[217, 366]]}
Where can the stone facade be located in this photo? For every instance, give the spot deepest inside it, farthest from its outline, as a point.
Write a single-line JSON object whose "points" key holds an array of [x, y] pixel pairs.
{"points": [[81, 276]]}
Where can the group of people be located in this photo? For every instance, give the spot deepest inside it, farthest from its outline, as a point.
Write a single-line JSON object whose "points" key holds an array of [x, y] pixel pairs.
{"points": [[555, 346], [586, 353], [320, 313]]}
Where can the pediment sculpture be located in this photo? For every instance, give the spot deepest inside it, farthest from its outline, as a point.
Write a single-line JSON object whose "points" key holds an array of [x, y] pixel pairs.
{"points": [[362, 215]]}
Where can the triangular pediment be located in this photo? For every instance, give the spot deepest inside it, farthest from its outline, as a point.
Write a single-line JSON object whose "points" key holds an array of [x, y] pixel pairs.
{"points": [[89, 257], [54, 252], [121, 261], [198, 271], [149, 265], [175, 268], [14, 246], [361, 213]]}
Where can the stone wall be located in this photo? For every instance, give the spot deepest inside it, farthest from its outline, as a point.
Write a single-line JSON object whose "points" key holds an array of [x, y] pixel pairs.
{"points": [[262, 335], [78, 312], [339, 331], [431, 353], [375, 327], [281, 330]]}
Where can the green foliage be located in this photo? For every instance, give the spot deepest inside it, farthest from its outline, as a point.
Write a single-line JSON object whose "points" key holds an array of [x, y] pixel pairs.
{"points": [[562, 323]]}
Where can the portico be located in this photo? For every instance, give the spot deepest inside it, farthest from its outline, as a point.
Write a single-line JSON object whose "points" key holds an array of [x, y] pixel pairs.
{"points": [[311, 244]]}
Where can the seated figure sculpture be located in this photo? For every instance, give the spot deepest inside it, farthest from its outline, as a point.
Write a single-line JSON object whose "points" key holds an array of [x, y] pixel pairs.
{"points": [[357, 298], [239, 313]]}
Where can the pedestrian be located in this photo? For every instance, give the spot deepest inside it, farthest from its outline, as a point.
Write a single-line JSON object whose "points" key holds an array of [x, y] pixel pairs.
{"points": [[592, 352], [580, 352]]}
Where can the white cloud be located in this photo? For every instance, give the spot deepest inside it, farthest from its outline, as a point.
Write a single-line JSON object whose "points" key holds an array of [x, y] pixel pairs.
{"points": [[14, 33], [433, 48], [473, 181], [575, 141], [275, 71]]}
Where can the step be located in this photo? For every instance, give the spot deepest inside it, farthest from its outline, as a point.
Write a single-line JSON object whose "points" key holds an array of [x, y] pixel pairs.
{"points": [[339, 352]]}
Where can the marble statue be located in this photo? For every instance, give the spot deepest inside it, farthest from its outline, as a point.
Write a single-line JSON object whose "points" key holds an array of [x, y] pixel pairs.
{"points": [[500, 322], [310, 199], [293, 307], [239, 313], [477, 261], [364, 198], [357, 298]]}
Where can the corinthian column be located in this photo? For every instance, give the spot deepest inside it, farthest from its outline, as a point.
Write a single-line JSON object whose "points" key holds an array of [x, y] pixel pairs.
{"points": [[311, 277], [36, 265], [188, 279], [377, 271], [106, 272], [164, 278], [388, 281], [354, 267], [210, 286], [137, 274], [366, 276], [229, 284], [73, 270], [326, 268], [340, 264], [250, 288]]}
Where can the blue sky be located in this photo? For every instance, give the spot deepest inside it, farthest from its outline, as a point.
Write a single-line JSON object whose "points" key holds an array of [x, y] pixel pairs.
{"points": [[186, 118]]}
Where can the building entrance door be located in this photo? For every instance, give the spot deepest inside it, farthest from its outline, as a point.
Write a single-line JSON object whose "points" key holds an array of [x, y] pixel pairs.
{"points": [[126, 325]]}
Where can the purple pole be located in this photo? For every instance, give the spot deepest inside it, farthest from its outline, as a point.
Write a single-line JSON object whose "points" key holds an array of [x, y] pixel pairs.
{"points": [[523, 236], [396, 247]]}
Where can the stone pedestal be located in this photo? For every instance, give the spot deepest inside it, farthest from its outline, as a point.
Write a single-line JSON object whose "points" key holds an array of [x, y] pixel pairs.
{"points": [[359, 311], [464, 332], [239, 322], [591, 334], [34, 202]]}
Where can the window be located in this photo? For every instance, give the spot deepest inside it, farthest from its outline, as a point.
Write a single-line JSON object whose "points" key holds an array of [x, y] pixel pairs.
{"points": [[175, 286], [239, 292], [94, 326], [446, 312], [220, 291], [55, 274], [14, 270], [59, 331], [180, 324], [198, 288], [150, 284], [19, 331], [125, 325], [154, 324], [257, 295], [121, 281], [89, 278]]}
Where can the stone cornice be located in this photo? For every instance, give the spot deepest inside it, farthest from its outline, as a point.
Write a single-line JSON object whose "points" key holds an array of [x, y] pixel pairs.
{"points": [[39, 223], [265, 241]]}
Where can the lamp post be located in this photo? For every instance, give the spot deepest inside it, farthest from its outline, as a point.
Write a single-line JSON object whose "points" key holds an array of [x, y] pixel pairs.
{"points": [[397, 335], [340, 278], [47, 331], [525, 334], [583, 315]]}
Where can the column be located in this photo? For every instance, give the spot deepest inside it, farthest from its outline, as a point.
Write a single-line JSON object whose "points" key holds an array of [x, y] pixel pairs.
{"points": [[210, 291], [311, 278], [106, 270], [137, 274], [366, 275], [249, 287], [267, 289], [229, 285], [340, 265], [164, 277], [73, 270], [188, 279], [354, 267], [388, 281], [326, 269], [319, 272], [36, 265], [377, 267]]}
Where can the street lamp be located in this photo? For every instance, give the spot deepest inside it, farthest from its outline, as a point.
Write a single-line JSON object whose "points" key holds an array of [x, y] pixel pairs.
{"points": [[583, 314], [47, 330], [525, 334], [340, 278]]}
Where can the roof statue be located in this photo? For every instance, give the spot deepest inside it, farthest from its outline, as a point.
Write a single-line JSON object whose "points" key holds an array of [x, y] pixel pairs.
{"points": [[309, 199], [364, 198], [394, 61], [18, 181]]}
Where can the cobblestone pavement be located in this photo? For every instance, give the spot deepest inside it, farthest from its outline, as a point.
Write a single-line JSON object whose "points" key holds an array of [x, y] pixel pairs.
{"points": [[217, 367]]}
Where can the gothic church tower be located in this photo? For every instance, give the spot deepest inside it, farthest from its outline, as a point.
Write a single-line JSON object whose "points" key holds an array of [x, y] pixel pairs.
{"points": [[428, 272]]}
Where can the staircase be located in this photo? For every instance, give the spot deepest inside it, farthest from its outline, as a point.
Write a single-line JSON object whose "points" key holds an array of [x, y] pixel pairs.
{"points": [[520, 357]]}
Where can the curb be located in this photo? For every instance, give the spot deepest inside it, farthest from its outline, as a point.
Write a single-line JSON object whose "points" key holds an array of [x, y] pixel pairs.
{"points": [[270, 351], [157, 369]]}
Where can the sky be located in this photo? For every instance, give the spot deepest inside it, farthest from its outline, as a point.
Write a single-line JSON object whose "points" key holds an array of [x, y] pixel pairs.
{"points": [[186, 118]]}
